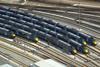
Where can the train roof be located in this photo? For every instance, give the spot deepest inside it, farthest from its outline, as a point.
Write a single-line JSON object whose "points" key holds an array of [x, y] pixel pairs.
{"points": [[6, 65], [85, 35], [24, 31], [74, 35], [4, 29], [2, 10], [67, 44], [75, 42]]}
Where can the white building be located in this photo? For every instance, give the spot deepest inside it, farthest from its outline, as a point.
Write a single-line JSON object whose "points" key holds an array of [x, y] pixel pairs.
{"points": [[47, 63], [6, 65]]}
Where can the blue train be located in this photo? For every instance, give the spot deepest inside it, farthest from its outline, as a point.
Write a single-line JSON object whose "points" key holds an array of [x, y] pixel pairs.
{"points": [[25, 34], [72, 36], [89, 39], [19, 19], [21, 26], [51, 33]]}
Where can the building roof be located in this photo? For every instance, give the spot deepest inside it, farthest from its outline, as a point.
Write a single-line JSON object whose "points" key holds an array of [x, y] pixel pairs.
{"points": [[49, 63], [6, 65]]}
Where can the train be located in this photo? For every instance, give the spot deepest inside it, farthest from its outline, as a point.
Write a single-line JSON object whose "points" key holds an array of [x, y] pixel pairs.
{"points": [[40, 28], [71, 35], [20, 20]]}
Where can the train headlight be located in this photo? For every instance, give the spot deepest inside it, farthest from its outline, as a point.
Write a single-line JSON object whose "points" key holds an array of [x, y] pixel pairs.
{"points": [[36, 40], [84, 43], [94, 43], [85, 51], [74, 51], [13, 35]]}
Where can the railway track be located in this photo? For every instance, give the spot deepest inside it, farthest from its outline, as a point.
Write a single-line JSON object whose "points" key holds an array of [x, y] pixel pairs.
{"points": [[23, 54], [94, 58], [93, 49], [42, 6], [89, 58], [92, 61], [97, 47], [45, 47], [13, 60], [54, 54], [68, 11], [43, 52], [24, 47]]}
